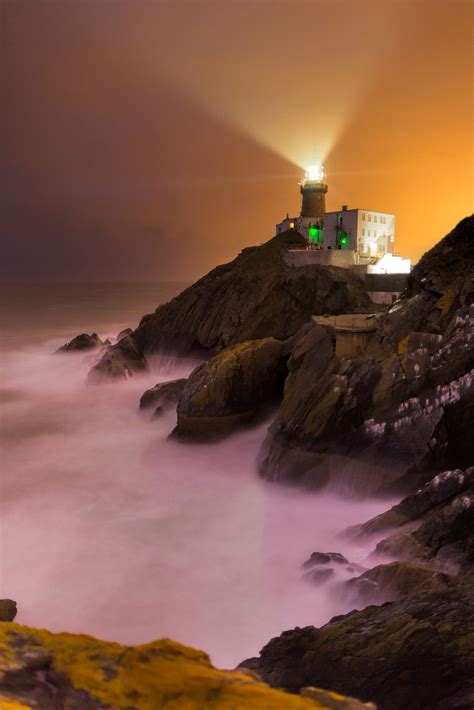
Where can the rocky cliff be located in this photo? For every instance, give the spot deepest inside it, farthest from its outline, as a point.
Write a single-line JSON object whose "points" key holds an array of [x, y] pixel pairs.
{"points": [[400, 410], [254, 296]]}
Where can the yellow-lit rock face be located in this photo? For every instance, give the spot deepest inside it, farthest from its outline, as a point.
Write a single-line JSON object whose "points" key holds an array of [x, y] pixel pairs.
{"points": [[42, 670]]}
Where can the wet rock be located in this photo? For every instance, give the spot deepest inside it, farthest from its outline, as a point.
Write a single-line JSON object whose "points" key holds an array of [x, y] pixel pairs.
{"points": [[123, 334], [163, 396], [415, 653], [119, 362], [228, 390], [324, 558], [8, 610], [42, 670], [81, 342]]}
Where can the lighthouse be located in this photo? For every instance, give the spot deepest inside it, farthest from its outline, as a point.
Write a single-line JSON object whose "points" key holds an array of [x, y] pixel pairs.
{"points": [[313, 189]]}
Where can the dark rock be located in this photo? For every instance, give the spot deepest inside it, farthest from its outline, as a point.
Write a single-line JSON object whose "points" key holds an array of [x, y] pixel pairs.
{"points": [[81, 342], [123, 334], [416, 653], [445, 538], [324, 558], [8, 610], [119, 362], [229, 389], [163, 396], [257, 295], [401, 410]]}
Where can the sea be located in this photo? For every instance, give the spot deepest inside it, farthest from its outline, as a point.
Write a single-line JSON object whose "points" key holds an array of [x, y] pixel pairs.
{"points": [[113, 528]]}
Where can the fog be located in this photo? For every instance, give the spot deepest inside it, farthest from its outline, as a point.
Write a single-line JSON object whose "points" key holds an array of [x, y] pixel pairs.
{"points": [[111, 528]]}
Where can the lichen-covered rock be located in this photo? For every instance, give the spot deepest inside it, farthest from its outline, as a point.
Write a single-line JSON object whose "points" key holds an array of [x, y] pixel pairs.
{"points": [[163, 396], [257, 295], [387, 419], [416, 653], [119, 362], [229, 389], [44, 671], [81, 342], [7, 609], [393, 581]]}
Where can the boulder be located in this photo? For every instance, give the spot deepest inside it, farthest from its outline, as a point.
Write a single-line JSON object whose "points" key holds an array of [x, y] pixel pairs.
{"points": [[119, 362], [385, 420], [163, 396], [228, 390], [81, 342], [257, 295], [415, 653], [8, 610], [42, 670]]}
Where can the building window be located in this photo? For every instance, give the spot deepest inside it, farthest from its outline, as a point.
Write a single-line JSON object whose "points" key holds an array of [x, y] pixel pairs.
{"points": [[363, 232], [363, 216], [370, 218], [375, 218], [292, 225]]}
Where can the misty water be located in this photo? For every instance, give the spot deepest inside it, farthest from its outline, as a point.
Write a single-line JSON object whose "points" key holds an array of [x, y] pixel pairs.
{"points": [[111, 528]]}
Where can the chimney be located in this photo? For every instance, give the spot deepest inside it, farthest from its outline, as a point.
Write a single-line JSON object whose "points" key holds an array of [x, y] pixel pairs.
{"points": [[344, 208]]}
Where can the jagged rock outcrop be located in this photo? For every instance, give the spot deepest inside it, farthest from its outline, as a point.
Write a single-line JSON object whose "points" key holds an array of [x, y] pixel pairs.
{"points": [[434, 526], [441, 489], [163, 396], [8, 609], [415, 653], [403, 408], [229, 389], [81, 342], [44, 671], [119, 362], [254, 296]]}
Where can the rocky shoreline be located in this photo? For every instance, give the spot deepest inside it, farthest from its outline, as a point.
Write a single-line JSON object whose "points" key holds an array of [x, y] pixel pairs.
{"points": [[395, 417]]}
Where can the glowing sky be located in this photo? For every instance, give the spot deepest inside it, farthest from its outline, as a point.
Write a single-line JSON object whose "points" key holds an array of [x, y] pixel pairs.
{"points": [[152, 140]]}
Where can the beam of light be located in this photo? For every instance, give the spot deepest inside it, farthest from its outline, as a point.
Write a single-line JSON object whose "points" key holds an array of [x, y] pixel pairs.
{"points": [[291, 90]]}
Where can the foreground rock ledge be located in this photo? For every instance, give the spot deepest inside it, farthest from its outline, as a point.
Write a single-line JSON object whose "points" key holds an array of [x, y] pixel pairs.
{"points": [[48, 671]]}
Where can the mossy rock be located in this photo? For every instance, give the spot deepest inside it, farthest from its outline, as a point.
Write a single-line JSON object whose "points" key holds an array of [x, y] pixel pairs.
{"points": [[44, 671]]}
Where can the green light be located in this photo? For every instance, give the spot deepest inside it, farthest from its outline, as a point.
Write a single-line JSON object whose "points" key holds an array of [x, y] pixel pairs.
{"points": [[315, 234]]}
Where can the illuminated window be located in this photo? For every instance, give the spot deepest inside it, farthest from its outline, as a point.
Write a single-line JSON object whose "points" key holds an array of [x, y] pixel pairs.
{"points": [[292, 224]]}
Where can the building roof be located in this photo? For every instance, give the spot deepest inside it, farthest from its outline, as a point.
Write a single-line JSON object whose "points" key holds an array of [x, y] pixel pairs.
{"points": [[359, 209]]}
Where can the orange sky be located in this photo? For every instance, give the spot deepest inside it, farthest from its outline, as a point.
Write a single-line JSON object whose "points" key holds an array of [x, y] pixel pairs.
{"points": [[152, 140]]}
